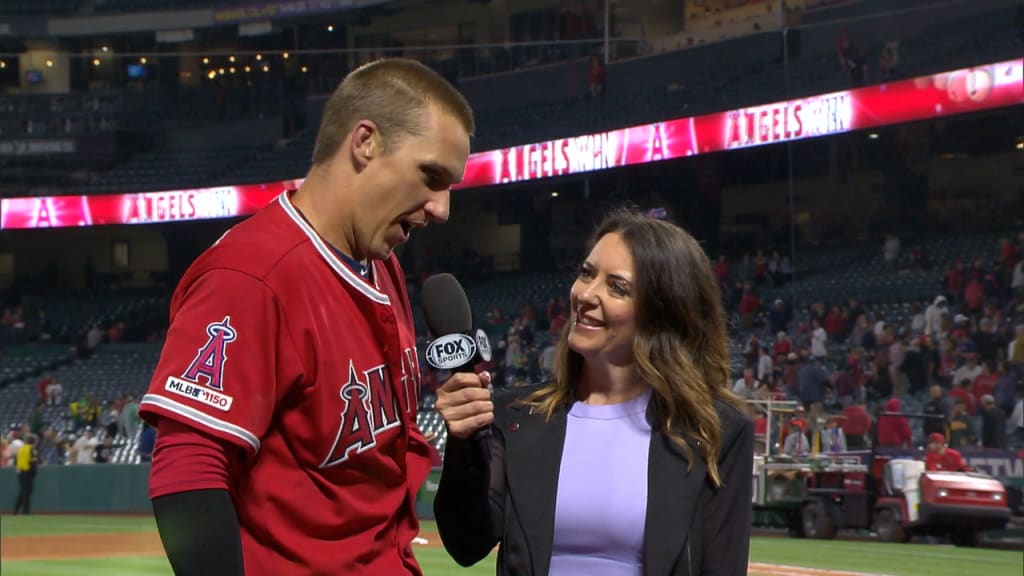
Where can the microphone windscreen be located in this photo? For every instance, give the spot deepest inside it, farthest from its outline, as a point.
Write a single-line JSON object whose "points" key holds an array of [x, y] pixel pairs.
{"points": [[445, 306]]}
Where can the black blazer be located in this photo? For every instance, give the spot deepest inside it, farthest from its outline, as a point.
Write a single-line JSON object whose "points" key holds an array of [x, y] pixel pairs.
{"points": [[503, 490]]}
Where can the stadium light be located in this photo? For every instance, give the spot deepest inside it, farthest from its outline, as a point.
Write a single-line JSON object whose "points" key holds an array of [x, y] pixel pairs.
{"points": [[96, 62], [284, 55], [305, 69], [49, 63], [211, 74], [143, 60], [105, 48], [3, 64], [232, 69], [330, 27], [247, 68], [206, 60], [873, 136], [554, 194], [231, 59], [220, 71], [266, 68], [259, 57]]}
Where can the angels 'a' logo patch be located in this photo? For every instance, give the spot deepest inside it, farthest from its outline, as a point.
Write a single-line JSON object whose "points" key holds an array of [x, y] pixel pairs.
{"points": [[209, 361]]}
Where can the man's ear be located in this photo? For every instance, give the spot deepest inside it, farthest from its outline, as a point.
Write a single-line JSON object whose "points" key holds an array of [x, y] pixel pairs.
{"points": [[365, 142]]}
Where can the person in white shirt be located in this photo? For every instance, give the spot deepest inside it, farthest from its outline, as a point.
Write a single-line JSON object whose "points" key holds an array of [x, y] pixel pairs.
{"points": [[84, 446], [746, 385], [765, 366], [933, 315], [968, 371], [12, 450], [819, 339]]}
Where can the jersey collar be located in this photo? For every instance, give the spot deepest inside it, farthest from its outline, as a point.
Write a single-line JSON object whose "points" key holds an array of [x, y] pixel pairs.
{"points": [[371, 291]]}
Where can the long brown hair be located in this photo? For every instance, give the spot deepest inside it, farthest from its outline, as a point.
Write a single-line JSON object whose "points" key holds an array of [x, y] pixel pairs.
{"points": [[680, 348]]}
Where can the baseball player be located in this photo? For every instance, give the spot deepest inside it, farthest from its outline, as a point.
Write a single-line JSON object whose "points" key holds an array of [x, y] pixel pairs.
{"points": [[285, 396]]}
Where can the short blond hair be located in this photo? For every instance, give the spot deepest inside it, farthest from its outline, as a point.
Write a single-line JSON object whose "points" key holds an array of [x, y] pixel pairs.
{"points": [[392, 93]]}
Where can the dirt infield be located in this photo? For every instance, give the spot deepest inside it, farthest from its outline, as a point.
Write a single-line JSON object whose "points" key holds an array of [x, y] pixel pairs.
{"points": [[148, 544]]}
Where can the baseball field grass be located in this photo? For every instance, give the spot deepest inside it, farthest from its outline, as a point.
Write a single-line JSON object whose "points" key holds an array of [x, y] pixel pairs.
{"points": [[65, 545]]}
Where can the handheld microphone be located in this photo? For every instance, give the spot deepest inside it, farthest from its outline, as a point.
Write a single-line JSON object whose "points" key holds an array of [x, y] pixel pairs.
{"points": [[446, 309], [450, 321]]}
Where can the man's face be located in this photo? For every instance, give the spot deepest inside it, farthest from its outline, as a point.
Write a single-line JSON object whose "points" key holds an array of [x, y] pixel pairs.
{"points": [[407, 185]]}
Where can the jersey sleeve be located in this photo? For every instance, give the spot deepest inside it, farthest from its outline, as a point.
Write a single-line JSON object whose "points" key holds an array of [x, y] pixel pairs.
{"points": [[227, 361]]}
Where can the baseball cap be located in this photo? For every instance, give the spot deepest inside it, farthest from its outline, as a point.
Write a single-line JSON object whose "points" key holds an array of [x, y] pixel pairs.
{"points": [[939, 298], [959, 318], [987, 399], [937, 437]]}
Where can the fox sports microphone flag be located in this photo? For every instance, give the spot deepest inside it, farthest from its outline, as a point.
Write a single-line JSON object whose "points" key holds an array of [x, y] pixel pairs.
{"points": [[450, 320]]}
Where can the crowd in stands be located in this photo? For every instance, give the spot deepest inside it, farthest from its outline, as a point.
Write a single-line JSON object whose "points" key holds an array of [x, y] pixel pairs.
{"points": [[92, 430]]}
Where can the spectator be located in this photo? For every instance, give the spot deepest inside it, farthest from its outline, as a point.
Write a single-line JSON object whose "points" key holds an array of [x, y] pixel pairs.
{"points": [[936, 411], [547, 361], [941, 457], [796, 443], [813, 379], [819, 340], [889, 59], [54, 390], [917, 324], [833, 439], [44, 382], [35, 420], [791, 375], [835, 323], [147, 440], [116, 332], [1015, 349], [746, 385], [83, 448], [749, 305], [986, 382], [961, 431], [856, 424], [969, 371], [50, 450], [1017, 419], [765, 366], [993, 424], [779, 317], [891, 250], [933, 315], [986, 342], [104, 452], [782, 347], [962, 393], [894, 429], [955, 279]]}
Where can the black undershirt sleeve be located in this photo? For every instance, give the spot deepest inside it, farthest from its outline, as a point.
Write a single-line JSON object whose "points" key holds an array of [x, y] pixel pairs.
{"points": [[200, 533]]}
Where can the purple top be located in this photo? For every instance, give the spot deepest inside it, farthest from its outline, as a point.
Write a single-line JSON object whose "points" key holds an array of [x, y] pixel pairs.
{"points": [[601, 506]]}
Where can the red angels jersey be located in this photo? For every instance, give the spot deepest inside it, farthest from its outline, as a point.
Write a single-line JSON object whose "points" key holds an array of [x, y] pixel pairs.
{"points": [[277, 347]]}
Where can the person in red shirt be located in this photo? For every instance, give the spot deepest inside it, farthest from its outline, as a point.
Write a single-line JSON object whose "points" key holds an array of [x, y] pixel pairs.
{"points": [[856, 423], [286, 394], [986, 382], [835, 323], [894, 431], [941, 457], [963, 392]]}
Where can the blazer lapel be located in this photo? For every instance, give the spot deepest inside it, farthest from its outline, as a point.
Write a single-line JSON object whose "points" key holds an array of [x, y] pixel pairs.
{"points": [[533, 450], [672, 495]]}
